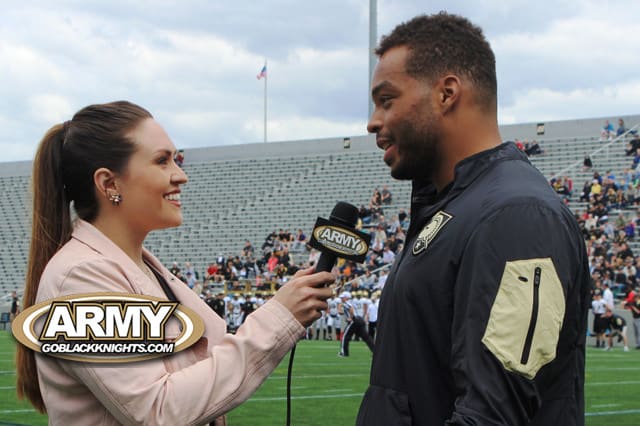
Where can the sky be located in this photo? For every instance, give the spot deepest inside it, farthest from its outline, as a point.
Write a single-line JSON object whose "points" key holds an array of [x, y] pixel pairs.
{"points": [[193, 63]]}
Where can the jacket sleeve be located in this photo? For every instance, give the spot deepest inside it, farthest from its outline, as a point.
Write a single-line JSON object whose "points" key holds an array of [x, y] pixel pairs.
{"points": [[155, 392], [509, 309]]}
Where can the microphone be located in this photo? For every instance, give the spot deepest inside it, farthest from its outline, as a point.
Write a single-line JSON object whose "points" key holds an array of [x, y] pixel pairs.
{"points": [[337, 237]]}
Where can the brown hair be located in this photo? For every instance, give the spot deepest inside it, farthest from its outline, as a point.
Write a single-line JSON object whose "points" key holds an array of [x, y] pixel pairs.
{"points": [[63, 168], [443, 43]]}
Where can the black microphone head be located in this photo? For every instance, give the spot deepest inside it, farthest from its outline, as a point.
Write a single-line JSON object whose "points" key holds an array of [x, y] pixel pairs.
{"points": [[345, 213]]}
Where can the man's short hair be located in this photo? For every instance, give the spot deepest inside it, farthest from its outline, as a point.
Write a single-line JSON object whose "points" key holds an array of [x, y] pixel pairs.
{"points": [[443, 43]]}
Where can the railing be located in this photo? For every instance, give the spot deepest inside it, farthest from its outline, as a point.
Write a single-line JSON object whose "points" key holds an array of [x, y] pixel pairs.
{"points": [[605, 148]]}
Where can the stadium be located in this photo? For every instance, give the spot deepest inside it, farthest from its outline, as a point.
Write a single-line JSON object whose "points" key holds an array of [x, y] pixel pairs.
{"points": [[263, 194]]}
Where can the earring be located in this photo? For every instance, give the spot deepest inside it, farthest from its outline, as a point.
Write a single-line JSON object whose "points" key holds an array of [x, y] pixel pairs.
{"points": [[115, 198]]}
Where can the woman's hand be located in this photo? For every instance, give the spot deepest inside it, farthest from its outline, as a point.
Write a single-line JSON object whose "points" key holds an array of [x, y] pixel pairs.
{"points": [[306, 294]]}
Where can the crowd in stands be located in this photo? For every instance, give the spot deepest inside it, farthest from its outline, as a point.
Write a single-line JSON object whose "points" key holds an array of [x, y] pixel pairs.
{"points": [[244, 280], [530, 148], [609, 132], [609, 223], [237, 284]]}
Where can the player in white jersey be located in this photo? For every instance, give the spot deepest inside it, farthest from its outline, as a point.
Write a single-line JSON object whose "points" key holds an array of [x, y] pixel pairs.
{"points": [[320, 326], [235, 307], [333, 319], [355, 326], [599, 307], [372, 314], [359, 304]]}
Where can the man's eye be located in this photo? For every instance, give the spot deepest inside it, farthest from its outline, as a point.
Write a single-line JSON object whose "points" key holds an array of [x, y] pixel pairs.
{"points": [[163, 160]]}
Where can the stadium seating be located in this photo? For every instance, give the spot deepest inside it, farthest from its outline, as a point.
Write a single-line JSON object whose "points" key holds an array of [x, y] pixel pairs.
{"points": [[244, 192]]}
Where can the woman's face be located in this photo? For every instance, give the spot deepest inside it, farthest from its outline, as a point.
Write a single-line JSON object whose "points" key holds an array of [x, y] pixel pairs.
{"points": [[150, 186]]}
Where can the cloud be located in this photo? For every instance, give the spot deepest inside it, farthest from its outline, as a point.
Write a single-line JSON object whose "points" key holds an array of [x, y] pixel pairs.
{"points": [[546, 104], [193, 63]]}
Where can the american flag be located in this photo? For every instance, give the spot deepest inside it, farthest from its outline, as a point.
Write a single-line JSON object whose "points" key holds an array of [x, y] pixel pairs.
{"points": [[263, 72]]}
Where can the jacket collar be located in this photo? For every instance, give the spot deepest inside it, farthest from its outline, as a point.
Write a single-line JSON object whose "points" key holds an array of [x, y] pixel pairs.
{"points": [[465, 172], [426, 200], [92, 237]]}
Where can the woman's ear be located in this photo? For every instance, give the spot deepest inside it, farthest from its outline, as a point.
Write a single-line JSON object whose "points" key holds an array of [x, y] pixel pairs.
{"points": [[105, 182]]}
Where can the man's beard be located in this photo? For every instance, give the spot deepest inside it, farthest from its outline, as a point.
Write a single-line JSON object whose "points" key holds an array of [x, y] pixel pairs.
{"points": [[418, 151]]}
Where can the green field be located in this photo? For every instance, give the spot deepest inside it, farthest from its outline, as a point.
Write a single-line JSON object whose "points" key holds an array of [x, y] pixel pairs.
{"points": [[326, 389]]}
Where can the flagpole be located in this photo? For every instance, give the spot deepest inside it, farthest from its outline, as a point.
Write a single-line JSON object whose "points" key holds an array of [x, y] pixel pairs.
{"points": [[265, 102]]}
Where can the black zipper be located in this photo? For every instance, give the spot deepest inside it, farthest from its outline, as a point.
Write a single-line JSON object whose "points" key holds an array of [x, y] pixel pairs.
{"points": [[526, 351]]}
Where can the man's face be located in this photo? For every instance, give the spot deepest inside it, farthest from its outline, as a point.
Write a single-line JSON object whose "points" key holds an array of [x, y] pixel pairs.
{"points": [[404, 121]]}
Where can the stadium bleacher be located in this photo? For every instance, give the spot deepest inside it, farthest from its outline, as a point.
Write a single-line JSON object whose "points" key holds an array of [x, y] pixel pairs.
{"points": [[244, 192]]}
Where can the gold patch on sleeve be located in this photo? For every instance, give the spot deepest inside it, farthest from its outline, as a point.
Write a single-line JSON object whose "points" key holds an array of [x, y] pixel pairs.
{"points": [[526, 316]]}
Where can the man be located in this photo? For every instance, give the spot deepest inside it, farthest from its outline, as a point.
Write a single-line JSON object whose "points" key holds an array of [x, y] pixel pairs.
{"points": [[217, 304], [607, 294], [618, 327], [632, 302], [333, 320], [483, 317], [599, 308], [355, 325]]}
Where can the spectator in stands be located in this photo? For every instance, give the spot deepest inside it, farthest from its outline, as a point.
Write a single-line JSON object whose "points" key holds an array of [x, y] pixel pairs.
{"points": [[568, 182], [393, 226], [188, 267], [596, 188], [247, 250], [364, 214], [116, 165], [607, 132], [636, 160], [633, 146], [630, 272], [587, 164], [386, 196], [368, 280], [269, 242], [597, 176], [403, 218], [621, 128], [586, 191], [179, 158], [387, 255], [376, 198], [175, 269], [212, 271], [520, 145], [625, 251], [533, 149], [190, 279], [382, 280]]}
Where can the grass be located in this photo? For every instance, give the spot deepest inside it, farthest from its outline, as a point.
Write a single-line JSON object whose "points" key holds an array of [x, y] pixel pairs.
{"points": [[327, 389]]}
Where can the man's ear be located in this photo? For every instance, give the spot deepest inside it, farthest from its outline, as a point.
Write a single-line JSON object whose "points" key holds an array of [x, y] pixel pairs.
{"points": [[449, 88]]}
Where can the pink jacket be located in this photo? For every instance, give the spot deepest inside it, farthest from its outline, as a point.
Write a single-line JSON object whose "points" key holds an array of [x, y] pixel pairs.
{"points": [[192, 387]]}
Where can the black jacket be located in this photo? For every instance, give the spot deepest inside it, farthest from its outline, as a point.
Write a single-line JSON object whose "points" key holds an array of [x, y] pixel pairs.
{"points": [[483, 317]]}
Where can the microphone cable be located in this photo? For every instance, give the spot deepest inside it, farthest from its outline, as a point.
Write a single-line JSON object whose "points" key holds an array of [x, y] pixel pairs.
{"points": [[291, 355]]}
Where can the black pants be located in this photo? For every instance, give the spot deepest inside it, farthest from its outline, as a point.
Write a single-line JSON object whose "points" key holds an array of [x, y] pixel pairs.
{"points": [[372, 329], [357, 327]]}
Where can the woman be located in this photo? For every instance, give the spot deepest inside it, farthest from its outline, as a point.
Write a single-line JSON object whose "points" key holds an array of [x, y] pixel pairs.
{"points": [[116, 165]]}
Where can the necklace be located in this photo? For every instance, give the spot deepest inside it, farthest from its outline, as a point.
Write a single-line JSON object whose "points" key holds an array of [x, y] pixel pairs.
{"points": [[148, 272]]}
